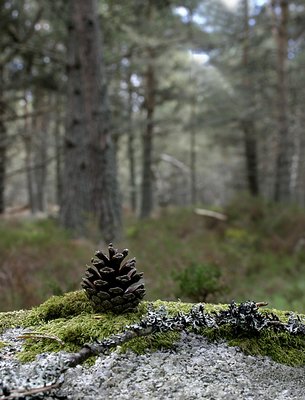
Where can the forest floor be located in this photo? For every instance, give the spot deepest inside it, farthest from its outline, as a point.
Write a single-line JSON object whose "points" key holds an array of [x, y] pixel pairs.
{"points": [[258, 253]]}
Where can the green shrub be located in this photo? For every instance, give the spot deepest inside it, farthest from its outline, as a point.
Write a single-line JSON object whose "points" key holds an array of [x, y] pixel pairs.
{"points": [[199, 281]]}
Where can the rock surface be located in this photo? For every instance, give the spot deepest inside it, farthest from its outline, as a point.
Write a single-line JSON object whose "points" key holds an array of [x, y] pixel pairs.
{"points": [[194, 369]]}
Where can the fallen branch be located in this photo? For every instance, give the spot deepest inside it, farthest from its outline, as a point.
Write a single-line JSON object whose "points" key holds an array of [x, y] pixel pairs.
{"points": [[210, 214]]}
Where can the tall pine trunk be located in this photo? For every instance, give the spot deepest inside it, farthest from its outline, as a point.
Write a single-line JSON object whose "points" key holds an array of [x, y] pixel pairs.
{"points": [[147, 139], [280, 10], [88, 132], [3, 144], [193, 153], [27, 141], [75, 200], [40, 131], [131, 149], [58, 141], [192, 124], [247, 122]]}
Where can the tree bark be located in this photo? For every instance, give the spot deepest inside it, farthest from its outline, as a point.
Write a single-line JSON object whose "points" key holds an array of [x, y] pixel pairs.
{"points": [[193, 151], [40, 131], [75, 201], [147, 139], [131, 150], [247, 122], [3, 144], [193, 133], [285, 142], [147, 178], [99, 194], [27, 140], [58, 139]]}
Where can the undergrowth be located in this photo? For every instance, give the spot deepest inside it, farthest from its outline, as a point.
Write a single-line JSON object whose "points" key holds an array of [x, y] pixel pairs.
{"points": [[38, 259], [259, 253], [259, 250]]}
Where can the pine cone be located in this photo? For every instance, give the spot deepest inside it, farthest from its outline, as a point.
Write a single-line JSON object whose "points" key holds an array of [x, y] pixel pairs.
{"points": [[112, 286]]}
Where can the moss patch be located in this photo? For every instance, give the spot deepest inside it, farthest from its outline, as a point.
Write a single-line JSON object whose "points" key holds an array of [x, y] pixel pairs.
{"points": [[12, 319], [281, 347], [69, 305], [2, 344], [71, 319]]}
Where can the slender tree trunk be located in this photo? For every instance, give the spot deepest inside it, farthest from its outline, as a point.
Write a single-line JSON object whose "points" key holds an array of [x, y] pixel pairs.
{"points": [[3, 144], [247, 122], [27, 140], [147, 139], [193, 136], [131, 149], [75, 204], [147, 178], [2, 163], [40, 132], [193, 153], [285, 142], [102, 199], [58, 155], [299, 172]]}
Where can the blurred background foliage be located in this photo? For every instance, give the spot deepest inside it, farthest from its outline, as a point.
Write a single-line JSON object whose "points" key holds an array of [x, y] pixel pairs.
{"points": [[180, 105], [182, 255]]}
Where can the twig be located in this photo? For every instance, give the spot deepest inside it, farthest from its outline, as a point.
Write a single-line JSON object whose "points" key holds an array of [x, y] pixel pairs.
{"points": [[94, 349], [98, 316], [37, 335], [261, 304], [14, 394]]}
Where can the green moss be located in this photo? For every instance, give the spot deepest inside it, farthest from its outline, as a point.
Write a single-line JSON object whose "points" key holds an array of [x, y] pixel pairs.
{"points": [[281, 347], [66, 306], [12, 319], [71, 319], [2, 344]]}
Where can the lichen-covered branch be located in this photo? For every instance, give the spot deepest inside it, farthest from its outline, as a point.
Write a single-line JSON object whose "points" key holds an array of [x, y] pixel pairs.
{"points": [[242, 318]]}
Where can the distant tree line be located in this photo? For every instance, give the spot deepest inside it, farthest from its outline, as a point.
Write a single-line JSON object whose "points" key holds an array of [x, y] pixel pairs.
{"points": [[147, 104]]}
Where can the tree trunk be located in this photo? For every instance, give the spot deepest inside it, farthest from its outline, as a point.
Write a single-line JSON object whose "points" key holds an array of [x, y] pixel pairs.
{"points": [[147, 139], [147, 178], [27, 140], [247, 122], [75, 201], [285, 142], [99, 194], [58, 155], [40, 132], [193, 153], [131, 150], [2, 163], [192, 125], [3, 144]]}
